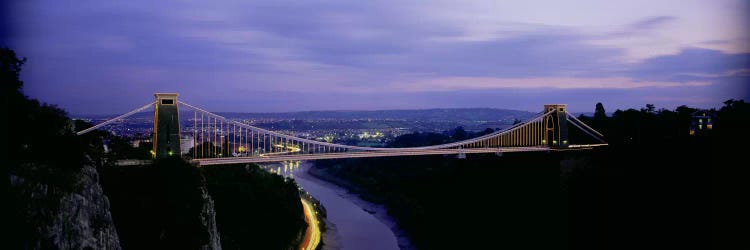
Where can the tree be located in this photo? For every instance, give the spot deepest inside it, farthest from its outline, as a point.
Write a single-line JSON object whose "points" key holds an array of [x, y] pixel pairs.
{"points": [[600, 118], [10, 68], [10, 95], [650, 108], [40, 132], [599, 113], [486, 131], [458, 133]]}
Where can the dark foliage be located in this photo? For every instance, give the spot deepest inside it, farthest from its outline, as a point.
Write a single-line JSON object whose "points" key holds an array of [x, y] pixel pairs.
{"points": [[37, 145], [255, 209], [651, 187], [425, 139], [729, 174], [36, 132], [482, 202], [157, 206], [418, 139], [656, 184]]}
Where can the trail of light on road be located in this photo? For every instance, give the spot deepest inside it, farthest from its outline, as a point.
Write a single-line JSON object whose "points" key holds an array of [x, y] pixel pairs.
{"points": [[312, 235], [289, 150]]}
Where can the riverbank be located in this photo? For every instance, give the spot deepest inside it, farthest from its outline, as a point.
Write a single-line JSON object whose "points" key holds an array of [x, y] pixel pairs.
{"points": [[351, 193]]}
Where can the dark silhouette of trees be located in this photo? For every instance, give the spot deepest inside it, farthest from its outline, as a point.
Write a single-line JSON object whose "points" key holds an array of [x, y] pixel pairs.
{"points": [[10, 67], [36, 132], [418, 139], [652, 185], [426, 139], [486, 131], [600, 118], [458, 134], [254, 208], [157, 206], [599, 113], [481, 202], [654, 149], [650, 108]]}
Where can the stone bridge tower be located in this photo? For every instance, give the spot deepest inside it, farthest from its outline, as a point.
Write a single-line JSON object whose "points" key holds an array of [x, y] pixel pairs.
{"points": [[556, 126], [166, 126]]}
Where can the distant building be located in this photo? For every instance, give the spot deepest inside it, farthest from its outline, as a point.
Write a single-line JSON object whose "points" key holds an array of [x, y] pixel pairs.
{"points": [[105, 144], [186, 143], [701, 122], [137, 143]]}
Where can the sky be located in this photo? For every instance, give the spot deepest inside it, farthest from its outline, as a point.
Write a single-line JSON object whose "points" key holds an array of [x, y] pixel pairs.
{"points": [[104, 57]]}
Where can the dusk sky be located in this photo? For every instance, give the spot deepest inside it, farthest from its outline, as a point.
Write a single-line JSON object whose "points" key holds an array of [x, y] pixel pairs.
{"points": [[100, 57]]}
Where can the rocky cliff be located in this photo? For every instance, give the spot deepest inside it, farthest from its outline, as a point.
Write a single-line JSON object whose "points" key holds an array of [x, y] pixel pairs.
{"points": [[56, 217], [208, 218]]}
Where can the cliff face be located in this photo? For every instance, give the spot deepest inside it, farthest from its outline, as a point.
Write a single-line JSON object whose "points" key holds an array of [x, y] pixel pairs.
{"points": [[56, 218], [208, 218]]}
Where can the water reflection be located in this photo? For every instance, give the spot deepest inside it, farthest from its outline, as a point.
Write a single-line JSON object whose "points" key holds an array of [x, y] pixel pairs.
{"points": [[285, 169]]}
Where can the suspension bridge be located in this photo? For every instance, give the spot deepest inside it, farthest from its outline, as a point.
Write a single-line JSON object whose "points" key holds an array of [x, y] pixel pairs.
{"points": [[219, 140]]}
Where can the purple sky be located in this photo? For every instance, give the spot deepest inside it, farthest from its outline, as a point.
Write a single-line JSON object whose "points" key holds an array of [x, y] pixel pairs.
{"points": [[91, 57]]}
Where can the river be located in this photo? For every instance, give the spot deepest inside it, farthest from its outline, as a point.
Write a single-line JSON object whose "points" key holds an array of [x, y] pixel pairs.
{"points": [[353, 227]]}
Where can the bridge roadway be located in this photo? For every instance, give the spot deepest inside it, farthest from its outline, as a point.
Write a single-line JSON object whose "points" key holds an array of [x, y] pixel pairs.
{"points": [[404, 152]]}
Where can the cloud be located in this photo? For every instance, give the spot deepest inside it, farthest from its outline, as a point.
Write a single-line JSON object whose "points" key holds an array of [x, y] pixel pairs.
{"points": [[653, 22], [691, 63], [235, 51], [458, 83], [715, 42]]}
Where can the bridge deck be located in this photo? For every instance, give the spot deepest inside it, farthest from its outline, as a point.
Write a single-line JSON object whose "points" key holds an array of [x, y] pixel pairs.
{"points": [[302, 157]]}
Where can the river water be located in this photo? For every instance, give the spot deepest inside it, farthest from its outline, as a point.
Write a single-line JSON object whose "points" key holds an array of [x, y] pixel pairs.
{"points": [[354, 228]]}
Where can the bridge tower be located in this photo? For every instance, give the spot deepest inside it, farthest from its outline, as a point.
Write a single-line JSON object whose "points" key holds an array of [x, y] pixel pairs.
{"points": [[556, 126], [166, 126]]}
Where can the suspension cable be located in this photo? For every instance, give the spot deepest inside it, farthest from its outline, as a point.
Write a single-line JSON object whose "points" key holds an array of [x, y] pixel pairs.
{"points": [[587, 131], [116, 118], [584, 124]]}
